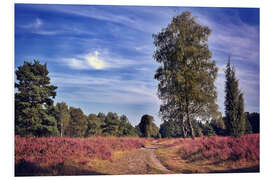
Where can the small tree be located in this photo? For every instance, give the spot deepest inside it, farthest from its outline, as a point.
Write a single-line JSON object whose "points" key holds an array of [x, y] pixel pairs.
{"points": [[254, 120], [218, 126], [170, 129], [241, 115], [101, 116], [78, 123], [62, 117], [93, 125], [145, 125], [33, 98], [234, 104], [208, 130], [248, 125], [111, 125], [125, 128]]}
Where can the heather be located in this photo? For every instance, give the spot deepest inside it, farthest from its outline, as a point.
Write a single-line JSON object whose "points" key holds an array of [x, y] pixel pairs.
{"points": [[220, 149], [56, 150]]}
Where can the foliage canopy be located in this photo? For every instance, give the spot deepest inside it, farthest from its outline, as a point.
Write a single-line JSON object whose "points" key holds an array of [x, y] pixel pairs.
{"points": [[186, 75], [234, 104], [33, 99]]}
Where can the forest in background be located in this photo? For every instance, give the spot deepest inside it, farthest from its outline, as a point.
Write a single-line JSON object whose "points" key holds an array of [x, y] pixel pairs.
{"points": [[36, 115]]}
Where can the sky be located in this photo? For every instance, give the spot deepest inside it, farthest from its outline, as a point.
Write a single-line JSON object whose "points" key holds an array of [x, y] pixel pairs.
{"points": [[100, 57]]}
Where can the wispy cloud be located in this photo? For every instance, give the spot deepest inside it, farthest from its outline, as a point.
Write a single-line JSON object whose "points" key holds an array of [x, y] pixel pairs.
{"points": [[76, 64], [38, 27], [37, 23], [98, 93], [101, 60], [134, 17], [234, 38], [105, 90]]}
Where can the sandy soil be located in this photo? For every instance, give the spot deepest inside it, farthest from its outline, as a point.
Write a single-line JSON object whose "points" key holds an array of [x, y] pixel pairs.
{"points": [[140, 161]]}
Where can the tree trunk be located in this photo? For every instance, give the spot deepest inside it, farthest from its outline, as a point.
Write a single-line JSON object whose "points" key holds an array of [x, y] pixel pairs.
{"points": [[191, 127], [188, 117], [190, 124], [183, 126], [61, 131]]}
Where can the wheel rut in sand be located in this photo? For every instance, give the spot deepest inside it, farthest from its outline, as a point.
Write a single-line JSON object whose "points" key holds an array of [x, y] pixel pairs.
{"points": [[155, 160], [140, 161]]}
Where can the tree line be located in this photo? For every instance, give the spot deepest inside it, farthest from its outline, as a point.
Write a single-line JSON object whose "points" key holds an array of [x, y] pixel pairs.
{"points": [[186, 87], [36, 114], [171, 129]]}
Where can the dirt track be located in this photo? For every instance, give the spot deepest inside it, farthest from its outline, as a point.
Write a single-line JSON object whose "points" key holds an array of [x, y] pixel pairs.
{"points": [[140, 161]]}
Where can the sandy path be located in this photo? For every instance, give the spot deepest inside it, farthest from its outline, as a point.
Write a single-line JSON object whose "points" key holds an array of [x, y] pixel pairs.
{"points": [[157, 163], [141, 161]]}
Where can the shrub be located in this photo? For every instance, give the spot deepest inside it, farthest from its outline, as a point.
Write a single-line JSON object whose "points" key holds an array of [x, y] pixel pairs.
{"points": [[55, 150], [245, 148]]}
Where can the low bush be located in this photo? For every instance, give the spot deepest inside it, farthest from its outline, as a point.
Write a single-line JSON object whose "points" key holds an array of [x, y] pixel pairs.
{"points": [[56, 150], [245, 148]]}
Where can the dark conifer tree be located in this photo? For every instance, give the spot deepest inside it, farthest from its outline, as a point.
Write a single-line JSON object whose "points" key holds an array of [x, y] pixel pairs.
{"points": [[111, 125], [78, 123], [234, 104], [147, 127], [94, 125], [33, 99]]}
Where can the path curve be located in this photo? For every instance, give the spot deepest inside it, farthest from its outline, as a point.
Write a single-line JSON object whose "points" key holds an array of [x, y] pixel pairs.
{"points": [[140, 161], [157, 162]]}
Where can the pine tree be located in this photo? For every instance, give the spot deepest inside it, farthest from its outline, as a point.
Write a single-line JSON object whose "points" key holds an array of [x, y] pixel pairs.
{"points": [[111, 125], [33, 99], [187, 73], [94, 125], [78, 123], [234, 104], [125, 128]]}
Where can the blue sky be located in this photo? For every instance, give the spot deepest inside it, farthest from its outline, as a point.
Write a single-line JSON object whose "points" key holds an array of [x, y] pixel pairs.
{"points": [[100, 57]]}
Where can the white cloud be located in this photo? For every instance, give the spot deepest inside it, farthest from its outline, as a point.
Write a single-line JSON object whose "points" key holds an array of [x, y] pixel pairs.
{"points": [[95, 62], [76, 63], [88, 61], [105, 60]]}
